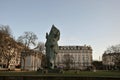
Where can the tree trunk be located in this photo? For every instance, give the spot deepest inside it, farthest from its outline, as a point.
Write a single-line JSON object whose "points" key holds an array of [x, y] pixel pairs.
{"points": [[7, 65], [24, 64]]}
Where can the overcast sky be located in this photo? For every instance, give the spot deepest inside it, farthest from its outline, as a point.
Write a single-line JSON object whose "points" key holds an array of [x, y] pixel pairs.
{"points": [[90, 22]]}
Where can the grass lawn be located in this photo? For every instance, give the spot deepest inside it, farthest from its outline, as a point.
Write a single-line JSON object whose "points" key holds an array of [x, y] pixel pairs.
{"points": [[96, 74], [66, 73]]}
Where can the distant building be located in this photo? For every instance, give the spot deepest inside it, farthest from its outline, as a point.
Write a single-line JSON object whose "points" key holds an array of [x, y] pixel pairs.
{"points": [[31, 60], [111, 61], [77, 57], [108, 59]]}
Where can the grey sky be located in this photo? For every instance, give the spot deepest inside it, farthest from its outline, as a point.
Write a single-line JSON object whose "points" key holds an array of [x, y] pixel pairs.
{"points": [[90, 22]]}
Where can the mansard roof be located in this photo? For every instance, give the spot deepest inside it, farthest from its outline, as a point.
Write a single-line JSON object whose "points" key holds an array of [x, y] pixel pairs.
{"points": [[75, 47]]}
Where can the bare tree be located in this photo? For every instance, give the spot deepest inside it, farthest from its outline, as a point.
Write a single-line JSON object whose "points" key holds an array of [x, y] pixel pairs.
{"points": [[40, 47], [115, 50], [7, 44], [28, 39], [5, 29], [8, 47], [9, 54]]}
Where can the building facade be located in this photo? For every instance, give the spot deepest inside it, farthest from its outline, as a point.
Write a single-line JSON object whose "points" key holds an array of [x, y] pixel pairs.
{"points": [[108, 59], [31, 60], [74, 57], [111, 60]]}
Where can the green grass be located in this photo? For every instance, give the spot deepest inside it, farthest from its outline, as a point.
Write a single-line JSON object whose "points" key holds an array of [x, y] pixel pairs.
{"points": [[93, 74], [96, 74], [66, 73]]}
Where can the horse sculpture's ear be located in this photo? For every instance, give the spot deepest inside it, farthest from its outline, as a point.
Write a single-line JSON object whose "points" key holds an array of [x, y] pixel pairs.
{"points": [[46, 35]]}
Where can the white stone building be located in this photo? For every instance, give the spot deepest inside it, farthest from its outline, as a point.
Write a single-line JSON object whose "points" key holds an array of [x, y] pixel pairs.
{"points": [[78, 57], [111, 59], [31, 60], [108, 59]]}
